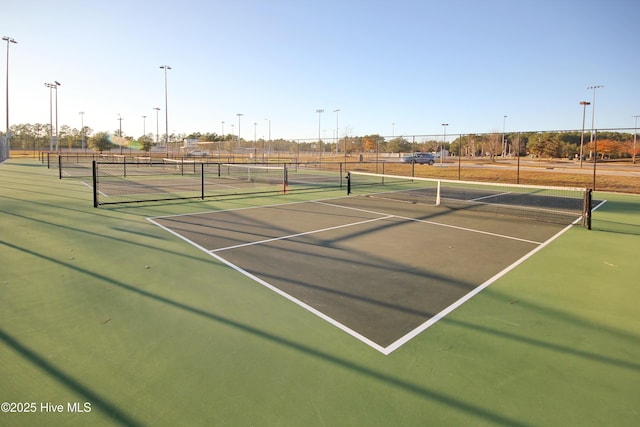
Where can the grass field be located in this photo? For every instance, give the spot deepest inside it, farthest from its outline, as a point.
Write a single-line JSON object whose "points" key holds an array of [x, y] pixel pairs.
{"points": [[100, 306]]}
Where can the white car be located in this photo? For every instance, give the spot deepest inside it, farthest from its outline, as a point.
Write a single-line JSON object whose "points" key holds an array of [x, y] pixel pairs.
{"points": [[197, 153]]}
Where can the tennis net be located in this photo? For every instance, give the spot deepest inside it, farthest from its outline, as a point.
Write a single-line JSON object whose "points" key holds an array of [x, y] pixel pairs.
{"points": [[564, 205], [252, 173], [173, 179]]}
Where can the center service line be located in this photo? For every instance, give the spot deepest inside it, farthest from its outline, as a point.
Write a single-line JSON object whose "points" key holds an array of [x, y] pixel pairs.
{"points": [[299, 234]]}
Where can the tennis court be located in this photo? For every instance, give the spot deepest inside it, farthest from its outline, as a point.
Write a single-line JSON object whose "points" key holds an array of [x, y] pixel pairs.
{"points": [[102, 306], [379, 269]]}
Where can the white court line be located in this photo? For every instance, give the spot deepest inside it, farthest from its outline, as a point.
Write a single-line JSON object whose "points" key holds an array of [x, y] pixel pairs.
{"points": [[90, 186], [400, 342], [407, 337], [290, 236], [439, 224], [279, 291], [487, 197], [233, 209]]}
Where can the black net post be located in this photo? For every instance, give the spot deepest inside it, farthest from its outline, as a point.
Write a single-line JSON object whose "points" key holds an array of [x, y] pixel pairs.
{"points": [[201, 180], [95, 184], [586, 218], [59, 166], [348, 183], [285, 178]]}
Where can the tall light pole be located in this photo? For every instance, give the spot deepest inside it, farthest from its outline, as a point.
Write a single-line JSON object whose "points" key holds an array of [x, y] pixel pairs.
{"points": [[120, 133], [319, 111], [157, 128], [222, 134], [584, 111], [239, 115], [269, 149], [51, 87], [593, 112], [504, 144], [144, 126], [444, 140], [255, 141], [57, 83], [269, 120], [81, 129], [166, 106], [337, 111], [8, 134], [635, 137], [120, 120]]}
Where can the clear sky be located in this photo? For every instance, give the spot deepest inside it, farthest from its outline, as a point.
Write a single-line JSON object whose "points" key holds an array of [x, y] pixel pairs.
{"points": [[415, 63]]}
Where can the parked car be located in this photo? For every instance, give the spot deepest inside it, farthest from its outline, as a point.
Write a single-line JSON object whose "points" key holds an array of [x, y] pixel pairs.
{"points": [[197, 153], [421, 158]]}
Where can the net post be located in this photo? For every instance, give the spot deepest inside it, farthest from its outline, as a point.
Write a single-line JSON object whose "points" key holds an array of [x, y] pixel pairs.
{"points": [[586, 217], [285, 178], [201, 180], [438, 193], [348, 183], [95, 183], [59, 166]]}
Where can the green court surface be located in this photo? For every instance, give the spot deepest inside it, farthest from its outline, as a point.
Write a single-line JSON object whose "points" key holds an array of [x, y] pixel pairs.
{"points": [[123, 323]]}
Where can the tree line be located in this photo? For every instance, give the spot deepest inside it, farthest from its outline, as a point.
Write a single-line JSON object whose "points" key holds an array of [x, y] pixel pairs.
{"points": [[553, 144]]}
